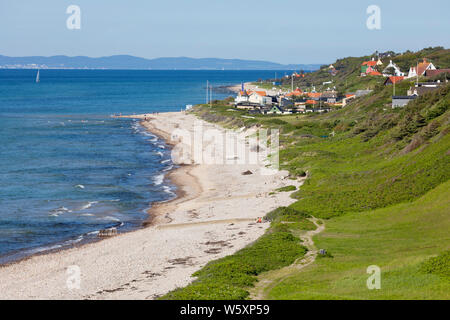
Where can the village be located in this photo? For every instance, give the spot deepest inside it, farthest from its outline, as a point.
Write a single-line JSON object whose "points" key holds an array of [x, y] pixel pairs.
{"points": [[280, 101]]}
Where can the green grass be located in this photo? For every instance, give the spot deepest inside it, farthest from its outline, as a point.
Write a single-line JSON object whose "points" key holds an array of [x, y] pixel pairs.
{"points": [[399, 239], [380, 178], [230, 277], [287, 189], [439, 265]]}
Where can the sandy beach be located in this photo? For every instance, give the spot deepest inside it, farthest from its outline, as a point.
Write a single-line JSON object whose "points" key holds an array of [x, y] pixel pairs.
{"points": [[252, 87], [213, 216]]}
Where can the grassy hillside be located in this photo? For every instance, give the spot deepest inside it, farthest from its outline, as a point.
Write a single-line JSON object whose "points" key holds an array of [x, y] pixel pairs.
{"points": [[379, 177], [399, 239]]}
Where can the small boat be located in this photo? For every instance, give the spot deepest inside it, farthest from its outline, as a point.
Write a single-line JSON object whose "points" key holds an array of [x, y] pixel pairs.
{"points": [[37, 77]]}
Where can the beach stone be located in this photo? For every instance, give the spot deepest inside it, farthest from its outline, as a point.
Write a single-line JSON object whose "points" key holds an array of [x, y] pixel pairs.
{"points": [[107, 232], [246, 173]]}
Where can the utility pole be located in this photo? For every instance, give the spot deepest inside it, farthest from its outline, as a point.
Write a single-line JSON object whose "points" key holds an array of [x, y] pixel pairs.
{"points": [[417, 73], [207, 85]]}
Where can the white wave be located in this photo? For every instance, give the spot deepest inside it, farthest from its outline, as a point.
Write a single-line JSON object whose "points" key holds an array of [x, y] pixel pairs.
{"points": [[161, 146], [79, 186], [59, 211], [158, 179], [165, 161], [111, 218], [168, 168], [168, 190], [88, 205], [160, 154]]}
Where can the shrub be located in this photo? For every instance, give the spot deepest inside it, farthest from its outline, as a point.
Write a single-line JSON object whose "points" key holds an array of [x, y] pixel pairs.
{"points": [[286, 214], [287, 189], [439, 265]]}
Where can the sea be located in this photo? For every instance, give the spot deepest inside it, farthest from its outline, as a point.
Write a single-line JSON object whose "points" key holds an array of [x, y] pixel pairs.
{"points": [[68, 169]]}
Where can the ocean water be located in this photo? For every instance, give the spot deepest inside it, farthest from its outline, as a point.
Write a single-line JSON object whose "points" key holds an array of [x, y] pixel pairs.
{"points": [[67, 169]]}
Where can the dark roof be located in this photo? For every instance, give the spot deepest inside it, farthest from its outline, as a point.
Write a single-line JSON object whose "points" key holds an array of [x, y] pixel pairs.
{"points": [[422, 90], [431, 73], [404, 97]]}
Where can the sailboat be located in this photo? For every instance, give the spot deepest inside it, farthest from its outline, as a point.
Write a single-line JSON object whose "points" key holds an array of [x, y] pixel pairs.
{"points": [[37, 77]]}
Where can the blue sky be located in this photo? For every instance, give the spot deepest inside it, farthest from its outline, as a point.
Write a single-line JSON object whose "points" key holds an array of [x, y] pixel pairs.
{"points": [[282, 31]]}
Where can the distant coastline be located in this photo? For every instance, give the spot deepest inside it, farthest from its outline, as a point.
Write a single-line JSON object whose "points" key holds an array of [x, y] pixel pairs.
{"points": [[127, 62]]}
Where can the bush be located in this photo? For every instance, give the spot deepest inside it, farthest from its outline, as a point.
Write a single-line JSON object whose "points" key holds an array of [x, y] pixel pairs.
{"points": [[287, 189], [286, 214], [439, 265]]}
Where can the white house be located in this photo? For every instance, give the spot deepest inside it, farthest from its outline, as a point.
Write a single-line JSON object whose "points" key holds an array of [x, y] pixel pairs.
{"points": [[260, 98], [420, 69], [242, 98], [397, 71]]}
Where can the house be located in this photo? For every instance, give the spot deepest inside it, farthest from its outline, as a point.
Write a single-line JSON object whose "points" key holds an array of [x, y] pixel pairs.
{"points": [[242, 98], [374, 73], [432, 73], [276, 110], [396, 70], [311, 102], [393, 79], [401, 101], [314, 95], [283, 102], [368, 67], [297, 92], [418, 91], [329, 97], [423, 87], [348, 97], [322, 109], [259, 98], [420, 69], [300, 108]]}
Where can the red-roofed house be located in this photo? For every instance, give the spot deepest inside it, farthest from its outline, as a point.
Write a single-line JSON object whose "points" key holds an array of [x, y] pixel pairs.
{"points": [[432, 73], [393, 79], [314, 94], [371, 63], [420, 69], [311, 102], [297, 92]]}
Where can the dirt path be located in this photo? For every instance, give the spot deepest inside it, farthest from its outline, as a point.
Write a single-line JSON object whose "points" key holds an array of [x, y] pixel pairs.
{"points": [[270, 279]]}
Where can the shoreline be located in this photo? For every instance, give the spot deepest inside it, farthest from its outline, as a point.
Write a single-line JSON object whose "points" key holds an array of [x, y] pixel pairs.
{"points": [[152, 212], [212, 215]]}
